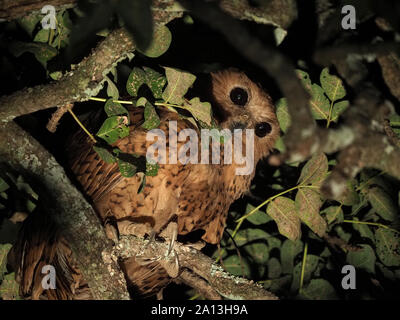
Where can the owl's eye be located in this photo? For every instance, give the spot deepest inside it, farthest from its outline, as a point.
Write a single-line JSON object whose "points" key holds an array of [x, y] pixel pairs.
{"points": [[262, 129], [239, 96]]}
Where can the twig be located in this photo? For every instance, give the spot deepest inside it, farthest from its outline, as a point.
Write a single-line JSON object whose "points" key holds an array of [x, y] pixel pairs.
{"points": [[56, 117]]}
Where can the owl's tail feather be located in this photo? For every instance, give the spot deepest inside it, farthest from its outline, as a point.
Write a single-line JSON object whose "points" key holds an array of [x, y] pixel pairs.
{"points": [[40, 244]]}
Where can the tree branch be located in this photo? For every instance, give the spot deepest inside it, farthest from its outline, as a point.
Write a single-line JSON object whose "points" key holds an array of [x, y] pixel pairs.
{"points": [[225, 284], [74, 216]]}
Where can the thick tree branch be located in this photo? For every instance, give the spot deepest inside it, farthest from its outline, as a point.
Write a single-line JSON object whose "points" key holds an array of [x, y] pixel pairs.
{"points": [[72, 213], [225, 284]]}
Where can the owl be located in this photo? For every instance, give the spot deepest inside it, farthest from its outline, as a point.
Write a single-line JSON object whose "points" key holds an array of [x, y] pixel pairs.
{"points": [[191, 196]]}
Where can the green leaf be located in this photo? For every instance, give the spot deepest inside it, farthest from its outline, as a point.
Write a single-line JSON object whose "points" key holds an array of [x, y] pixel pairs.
{"points": [[310, 268], [333, 214], [104, 154], [283, 211], [155, 81], [305, 79], [114, 109], [338, 108], [3, 185], [364, 230], [245, 236], [274, 268], [9, 288], [395, 120], [382, 203], [349, 196], [29, 22], [151, 169], [308, 203], [42, 36], [42, 51], [236, 266], [320, 105], [319, 289], [259, 251], [135, 80], [388, 247], [4, 249], [258, 217], [332, 85], [112, 90], [345, 236], [315, 170], [151, 118], [280, 145], [290, 249], [179, 83], [138, 20], [201, 111], [114, 128], [56, 75], [282, 113], [160, 43], [127, 169], [362, 259]]}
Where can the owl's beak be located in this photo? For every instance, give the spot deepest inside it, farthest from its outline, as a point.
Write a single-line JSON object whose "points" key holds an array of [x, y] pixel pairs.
{"points": [[238, 125], [240, 122]]}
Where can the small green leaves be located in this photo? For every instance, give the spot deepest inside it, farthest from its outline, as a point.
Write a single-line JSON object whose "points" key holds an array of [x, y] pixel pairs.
{"points": [[308, 203], [282, 113], [152, 120], [136, 79], [332, 85], [362, 259], [236, 266], [325, 101], [290, 249], [283, 211], [9, 288], [179, 83], [248, 235], [388, 247], [333, 214], [319, 103], [126, 168], [42, 51], [151, 169], [114, 128], [257, 217], [4, 249], [114, 109], [315, 170], [160, 43], [112, 90], [29, 22], [382, 203], [201, 111], [153, 79], [319, 289]]}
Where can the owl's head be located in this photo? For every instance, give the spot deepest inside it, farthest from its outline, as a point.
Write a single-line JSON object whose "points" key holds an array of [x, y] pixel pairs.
{"points": [[239, 103]]}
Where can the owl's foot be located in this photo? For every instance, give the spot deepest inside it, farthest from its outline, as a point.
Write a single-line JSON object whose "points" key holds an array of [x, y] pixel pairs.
{"points": [[169, 261]]}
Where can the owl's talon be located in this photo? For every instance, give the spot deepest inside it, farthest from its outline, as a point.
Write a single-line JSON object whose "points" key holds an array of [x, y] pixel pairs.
{"points": [[111, 232]]}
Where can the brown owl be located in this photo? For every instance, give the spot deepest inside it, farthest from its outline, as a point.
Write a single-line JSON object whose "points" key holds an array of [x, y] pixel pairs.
{"points": [[192, 196]]}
